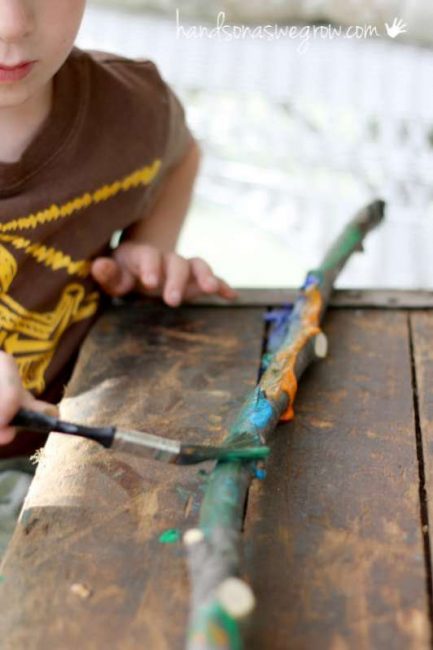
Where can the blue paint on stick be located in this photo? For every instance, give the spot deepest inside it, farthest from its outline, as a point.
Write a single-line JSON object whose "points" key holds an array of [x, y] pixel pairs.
{"points": [[262, 411], [260, 474]]}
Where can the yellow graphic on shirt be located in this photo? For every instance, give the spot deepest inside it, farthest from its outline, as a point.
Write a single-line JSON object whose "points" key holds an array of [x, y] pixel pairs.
{"points": [[143, 176], [32, 337], [48, 256]]}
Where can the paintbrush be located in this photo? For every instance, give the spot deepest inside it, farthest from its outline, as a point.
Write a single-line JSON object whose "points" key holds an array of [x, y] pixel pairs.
{"points": [[140, 443]]}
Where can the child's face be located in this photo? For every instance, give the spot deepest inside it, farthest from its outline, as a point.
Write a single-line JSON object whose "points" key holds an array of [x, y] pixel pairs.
{"points": [[39, 34]]}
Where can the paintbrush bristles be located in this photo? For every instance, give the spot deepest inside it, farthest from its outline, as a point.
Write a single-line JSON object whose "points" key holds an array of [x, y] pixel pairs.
{"points": [[194, 453]]}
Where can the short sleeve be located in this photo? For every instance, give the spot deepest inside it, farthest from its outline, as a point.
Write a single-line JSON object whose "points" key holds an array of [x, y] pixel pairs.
{"points": [[179, 136], [156, 127], [178, 140]]}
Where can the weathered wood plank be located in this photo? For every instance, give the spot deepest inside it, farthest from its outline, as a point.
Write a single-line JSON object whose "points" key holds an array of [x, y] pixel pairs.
{"points": [[86, 568], [345, 298], [421, 325], [334, 547]]}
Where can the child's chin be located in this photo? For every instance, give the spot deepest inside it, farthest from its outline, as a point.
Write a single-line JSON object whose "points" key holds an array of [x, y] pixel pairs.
{"points": [[16, 93]]}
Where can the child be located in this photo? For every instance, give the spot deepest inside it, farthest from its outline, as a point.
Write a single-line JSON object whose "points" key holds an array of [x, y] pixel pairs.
{"points": [[90, 143]]}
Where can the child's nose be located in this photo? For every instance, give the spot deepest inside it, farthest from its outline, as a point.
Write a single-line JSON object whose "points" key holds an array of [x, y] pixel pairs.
{"points": [[16, 20]]}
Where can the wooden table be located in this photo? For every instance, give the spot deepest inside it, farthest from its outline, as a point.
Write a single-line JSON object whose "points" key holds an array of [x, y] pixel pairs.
{"points": [[336, 539]]}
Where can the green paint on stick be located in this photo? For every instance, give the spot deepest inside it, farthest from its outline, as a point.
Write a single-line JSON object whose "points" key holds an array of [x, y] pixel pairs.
{"points": [[352, 238], [170, 536], [253, 453], [215, 628]]}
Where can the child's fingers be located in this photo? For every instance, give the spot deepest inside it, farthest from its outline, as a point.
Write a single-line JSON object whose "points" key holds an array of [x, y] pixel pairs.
{"points": [[112, 277], [209, 282], [11, 390], [204, 275], [177, 274], [7, 434], [143, 261], [150, 268], [226, 291], [11, 395], [38, 405]]}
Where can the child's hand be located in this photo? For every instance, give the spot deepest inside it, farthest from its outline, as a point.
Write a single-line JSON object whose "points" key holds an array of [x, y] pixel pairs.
{"points": [[144, 267], [13, 396]]}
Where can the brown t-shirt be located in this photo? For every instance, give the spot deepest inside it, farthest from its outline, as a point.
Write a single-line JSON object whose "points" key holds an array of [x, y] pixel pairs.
{"points": [[114, 130]]}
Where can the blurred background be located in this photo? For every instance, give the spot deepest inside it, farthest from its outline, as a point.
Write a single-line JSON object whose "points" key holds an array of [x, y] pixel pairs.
{"points": [[297, 132]]}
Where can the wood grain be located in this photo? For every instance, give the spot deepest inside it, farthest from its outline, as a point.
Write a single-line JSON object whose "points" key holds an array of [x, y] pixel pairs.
{"points": [[86, 568], [334, 548], [333, 540], [421, 326]]}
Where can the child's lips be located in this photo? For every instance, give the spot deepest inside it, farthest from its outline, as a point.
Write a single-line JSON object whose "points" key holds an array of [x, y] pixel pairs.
{"points": [[15, 73]]}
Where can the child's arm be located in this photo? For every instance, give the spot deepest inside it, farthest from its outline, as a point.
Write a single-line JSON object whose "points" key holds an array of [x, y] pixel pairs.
{"points": [[162, 227], [146, 259], [13, 395]]}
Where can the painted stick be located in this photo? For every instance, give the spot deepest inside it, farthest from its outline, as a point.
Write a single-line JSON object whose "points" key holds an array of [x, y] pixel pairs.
{"points": [[213, 549]]}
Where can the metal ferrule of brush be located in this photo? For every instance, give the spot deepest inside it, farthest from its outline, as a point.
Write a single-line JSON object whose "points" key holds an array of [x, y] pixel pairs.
{"points": [[145, 444]]}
